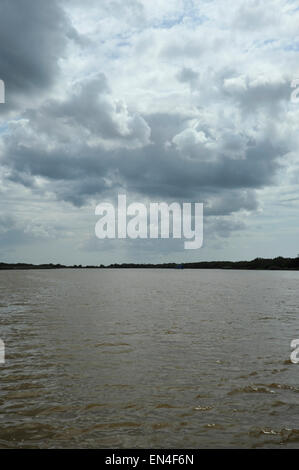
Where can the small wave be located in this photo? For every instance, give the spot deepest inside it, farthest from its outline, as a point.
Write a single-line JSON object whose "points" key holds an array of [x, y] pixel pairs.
{"points": [[25, 394], [278, 386], [158, 426], [285, 434], [203, 408], [278, 371], [256, 432], [213, 426], [250, 389], [91, 406], [278, 403], [115, 425], [166, 405], [251, 374]]}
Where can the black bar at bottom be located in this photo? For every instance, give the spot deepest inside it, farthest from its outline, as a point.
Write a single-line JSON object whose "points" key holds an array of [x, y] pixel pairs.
{"points": [[148, 458]]}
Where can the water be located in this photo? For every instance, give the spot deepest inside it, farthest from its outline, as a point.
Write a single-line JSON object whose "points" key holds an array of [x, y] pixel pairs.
{"points": [[149, 359]]}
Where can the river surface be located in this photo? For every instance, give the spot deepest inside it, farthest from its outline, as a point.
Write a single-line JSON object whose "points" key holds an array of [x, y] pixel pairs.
{"points": [[149, 358]]}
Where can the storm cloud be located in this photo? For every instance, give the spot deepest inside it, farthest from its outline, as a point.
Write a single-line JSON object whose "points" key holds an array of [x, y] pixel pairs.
{"points": [[33, 37]]}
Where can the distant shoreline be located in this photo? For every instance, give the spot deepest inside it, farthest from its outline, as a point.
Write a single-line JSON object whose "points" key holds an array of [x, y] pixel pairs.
{"points": [[271, 264]]}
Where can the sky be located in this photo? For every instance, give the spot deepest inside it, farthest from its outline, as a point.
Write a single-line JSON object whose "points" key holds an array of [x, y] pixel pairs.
{"points": [[177, 100]]}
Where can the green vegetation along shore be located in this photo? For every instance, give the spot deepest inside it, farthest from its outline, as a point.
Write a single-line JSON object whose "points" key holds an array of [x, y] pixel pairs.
{"points": [[257, 263]]}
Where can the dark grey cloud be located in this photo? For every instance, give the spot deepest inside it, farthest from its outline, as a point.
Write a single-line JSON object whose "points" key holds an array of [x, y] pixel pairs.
{"points": [[90, 144], [255, 94], [187, 75], [222, 228], [168, 172], [76, 171], [33, 36], [89, 112]]}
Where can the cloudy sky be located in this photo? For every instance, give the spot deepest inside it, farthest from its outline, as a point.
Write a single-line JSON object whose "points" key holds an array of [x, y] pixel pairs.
{"points": [[175, 100]]}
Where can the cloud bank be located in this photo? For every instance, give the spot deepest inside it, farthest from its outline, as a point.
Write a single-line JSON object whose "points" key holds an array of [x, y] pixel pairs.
{"points": [[178, 100]]}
